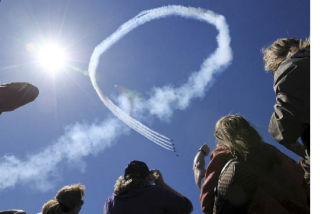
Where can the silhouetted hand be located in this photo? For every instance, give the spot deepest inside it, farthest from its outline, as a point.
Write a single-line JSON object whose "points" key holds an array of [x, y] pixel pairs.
{"points": [[205, 149], [157, 177]]}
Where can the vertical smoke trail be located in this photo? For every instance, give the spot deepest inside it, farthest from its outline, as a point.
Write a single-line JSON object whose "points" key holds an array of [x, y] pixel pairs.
{"points": [[180, 97]]}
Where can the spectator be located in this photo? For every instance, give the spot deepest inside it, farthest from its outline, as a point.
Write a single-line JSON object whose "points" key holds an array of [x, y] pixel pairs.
{"points": [[135, 194], [68, 200], [246, 175], [289, 61]]}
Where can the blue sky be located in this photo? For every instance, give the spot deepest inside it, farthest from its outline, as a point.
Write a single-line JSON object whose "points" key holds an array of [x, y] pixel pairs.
{"points": [[162, 52]]}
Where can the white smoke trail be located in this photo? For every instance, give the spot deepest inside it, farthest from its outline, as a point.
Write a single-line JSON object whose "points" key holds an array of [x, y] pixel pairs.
{"points": [[79, 141], [165, 99]]}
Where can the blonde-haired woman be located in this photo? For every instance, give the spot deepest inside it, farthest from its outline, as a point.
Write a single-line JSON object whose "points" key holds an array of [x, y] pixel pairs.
{"points": [[246, 175], [68, 200]]}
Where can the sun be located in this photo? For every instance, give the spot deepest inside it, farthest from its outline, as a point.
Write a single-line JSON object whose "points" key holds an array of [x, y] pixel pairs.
{"points": [[52, 57]]}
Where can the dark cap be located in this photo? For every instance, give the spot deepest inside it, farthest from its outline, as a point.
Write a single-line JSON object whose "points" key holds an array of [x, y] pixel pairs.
{"points": [[137, 168]]}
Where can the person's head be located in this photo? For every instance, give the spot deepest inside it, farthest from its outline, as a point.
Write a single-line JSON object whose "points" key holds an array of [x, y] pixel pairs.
{"points": [[236, 133], [136, 175], [281, 50], [67, 200]]}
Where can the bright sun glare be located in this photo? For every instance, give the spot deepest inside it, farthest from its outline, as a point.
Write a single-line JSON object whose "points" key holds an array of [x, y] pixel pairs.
{"points": [[52, 57]]}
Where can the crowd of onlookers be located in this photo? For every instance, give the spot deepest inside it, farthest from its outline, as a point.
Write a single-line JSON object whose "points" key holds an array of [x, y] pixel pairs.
{"points": [[244, 175]]}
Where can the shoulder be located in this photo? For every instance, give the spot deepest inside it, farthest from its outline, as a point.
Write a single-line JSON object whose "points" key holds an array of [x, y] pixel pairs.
{"points": [[110, 200], [108, 204], [157, 190], [220, 152], [299, 61], [162, 192], [283, 158], [154, 191]]}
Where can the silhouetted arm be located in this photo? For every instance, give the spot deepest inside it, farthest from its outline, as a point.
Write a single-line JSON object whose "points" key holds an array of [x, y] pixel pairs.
{"points": [[199, 164], [12, 212]]}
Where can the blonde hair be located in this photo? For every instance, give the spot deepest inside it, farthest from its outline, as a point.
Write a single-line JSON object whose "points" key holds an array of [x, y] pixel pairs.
{"points": [[238, 135], [281, 50], [67, 198], [51, 207], [123, 185]]}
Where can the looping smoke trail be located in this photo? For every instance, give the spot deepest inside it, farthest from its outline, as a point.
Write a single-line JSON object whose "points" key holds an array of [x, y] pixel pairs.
{"points": [[180, 97]]}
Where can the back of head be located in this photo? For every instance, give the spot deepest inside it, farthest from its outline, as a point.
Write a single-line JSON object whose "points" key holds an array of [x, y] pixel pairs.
{"points": [[281, 50], [238, 135], [136, 175], [67, 199], [137, 168], [51, 207], [70, 196]]}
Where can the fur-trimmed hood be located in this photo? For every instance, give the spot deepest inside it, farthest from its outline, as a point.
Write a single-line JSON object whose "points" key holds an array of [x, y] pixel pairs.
{"points": [[123, 185]]}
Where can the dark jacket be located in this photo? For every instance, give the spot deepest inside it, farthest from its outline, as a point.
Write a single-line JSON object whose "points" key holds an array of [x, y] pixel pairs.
{"points": [[291, 117], [281, 185], [151, 199]]}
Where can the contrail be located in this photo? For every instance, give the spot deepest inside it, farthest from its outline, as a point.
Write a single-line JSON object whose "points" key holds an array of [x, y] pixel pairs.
{"points": [[80, 140], [165, 99]]}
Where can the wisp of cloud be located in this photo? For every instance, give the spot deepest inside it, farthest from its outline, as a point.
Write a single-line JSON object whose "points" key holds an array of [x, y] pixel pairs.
{"points": [[79, 141], [166, 99]]}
